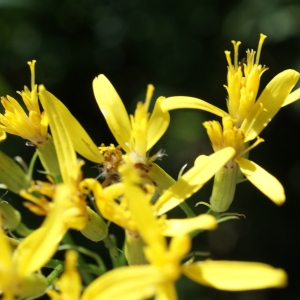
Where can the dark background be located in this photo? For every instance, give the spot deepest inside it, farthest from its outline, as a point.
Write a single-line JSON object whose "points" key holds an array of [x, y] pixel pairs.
{"points": [[178, 46]]}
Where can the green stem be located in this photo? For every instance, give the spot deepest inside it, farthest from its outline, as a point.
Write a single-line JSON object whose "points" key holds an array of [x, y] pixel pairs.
{"points": [[86, 252], [188, 211], [31, 165], [116, 256], [23, 230], [58, 269]]}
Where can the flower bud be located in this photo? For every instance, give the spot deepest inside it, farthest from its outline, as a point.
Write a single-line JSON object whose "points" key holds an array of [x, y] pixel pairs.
{"points": [[10, 216], [12, 175], [224, 188], [96, 229]]}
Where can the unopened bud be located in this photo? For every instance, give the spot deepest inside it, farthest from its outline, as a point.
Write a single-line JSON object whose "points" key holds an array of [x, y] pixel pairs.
{"points": [[96, 229], [12, 175], [10, 216], [224, 188]]}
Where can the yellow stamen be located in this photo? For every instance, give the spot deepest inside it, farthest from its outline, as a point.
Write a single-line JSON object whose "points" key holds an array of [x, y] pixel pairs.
{"points": [[149, 94], [32, 65], [260, 43], [258, 141], [236, 53]]}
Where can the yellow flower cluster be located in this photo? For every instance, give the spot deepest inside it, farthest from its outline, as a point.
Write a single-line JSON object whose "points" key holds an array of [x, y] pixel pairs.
{"points": [[133, 192]]}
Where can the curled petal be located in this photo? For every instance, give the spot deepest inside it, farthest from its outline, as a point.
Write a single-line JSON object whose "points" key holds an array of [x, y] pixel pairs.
{"points": [[235, 276], [263, 180], [179, 102]]}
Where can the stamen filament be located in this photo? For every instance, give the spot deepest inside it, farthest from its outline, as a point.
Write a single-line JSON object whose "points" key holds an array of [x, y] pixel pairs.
{"points": [[260, 43]]}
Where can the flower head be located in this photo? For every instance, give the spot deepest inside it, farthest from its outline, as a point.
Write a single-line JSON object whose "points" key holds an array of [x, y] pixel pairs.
{"points": [[32, 126], [136, 134], [246, 119]]}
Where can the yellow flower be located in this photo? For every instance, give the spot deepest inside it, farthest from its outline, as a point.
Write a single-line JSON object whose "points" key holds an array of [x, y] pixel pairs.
{"points": [[189, 183], [165, 266], [246, 119], [136, 134], [32, 127], [69, 208]]}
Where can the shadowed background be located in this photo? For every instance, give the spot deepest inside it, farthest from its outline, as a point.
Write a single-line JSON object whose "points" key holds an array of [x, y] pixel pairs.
{"points": [[179, 48]]}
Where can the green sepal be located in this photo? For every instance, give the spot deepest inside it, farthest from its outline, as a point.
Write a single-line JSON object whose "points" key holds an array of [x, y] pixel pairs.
{"points": [[12, 175], [96, 229], [48, 157], [133, 249], [224, 188], [10, 216]]}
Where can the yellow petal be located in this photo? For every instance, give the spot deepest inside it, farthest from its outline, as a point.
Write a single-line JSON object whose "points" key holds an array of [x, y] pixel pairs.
{"points": [[263, 180], [162, 179], [5, 258], [271, 99], [38, 247], [141, 209], [2, 135], [81, 141], [193, 180], [166, 291], [158, 124], [292, 97], [113, 110], [63, 144], [178, 102], [126, 283], [178, 227], [235, 276]]}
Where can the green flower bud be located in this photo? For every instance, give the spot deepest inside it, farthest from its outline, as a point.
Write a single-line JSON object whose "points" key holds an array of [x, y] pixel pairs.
{"points": [[96, 229], [12, 175], [10, 216], [48, 157], [134, 246], [224, 188]]}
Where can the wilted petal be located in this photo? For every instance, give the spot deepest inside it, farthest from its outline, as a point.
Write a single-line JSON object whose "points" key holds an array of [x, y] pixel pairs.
{"points": [[177, 227], [179, 102], [263, 180], [193, 180], [158, 124], [126, 283], [271, 99], [113, 110], [235, 276]]}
